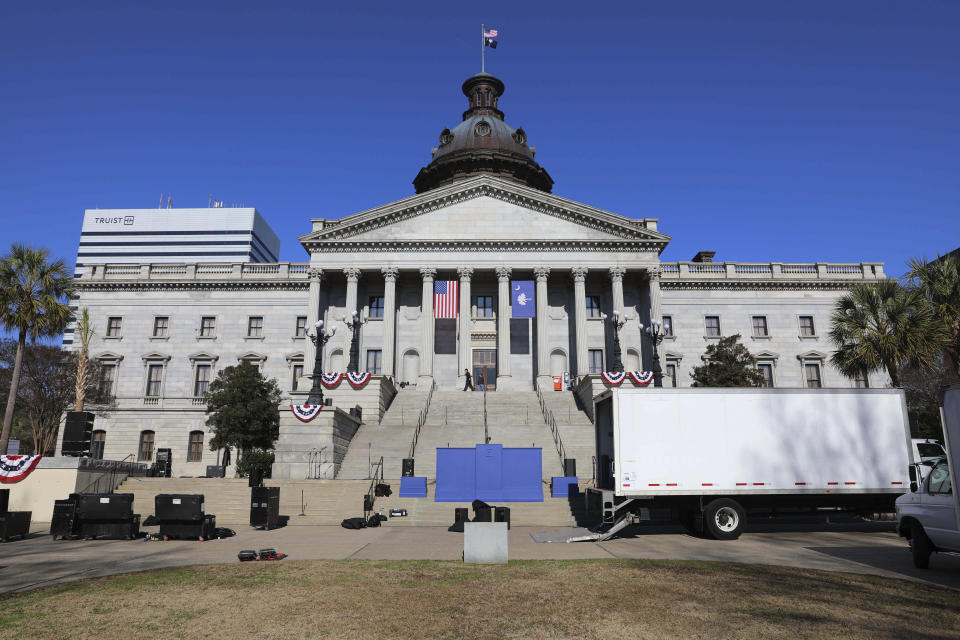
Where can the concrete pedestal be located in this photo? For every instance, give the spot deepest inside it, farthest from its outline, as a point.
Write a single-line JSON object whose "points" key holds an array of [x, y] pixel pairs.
{"points": [[312, 449], [485, 542]]}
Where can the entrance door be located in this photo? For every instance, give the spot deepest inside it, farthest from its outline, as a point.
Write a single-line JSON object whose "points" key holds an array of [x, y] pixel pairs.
{"points": [[485, 368]]}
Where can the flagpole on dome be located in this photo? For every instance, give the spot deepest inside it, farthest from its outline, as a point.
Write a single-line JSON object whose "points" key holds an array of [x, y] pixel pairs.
{"points": [[483, 48]]}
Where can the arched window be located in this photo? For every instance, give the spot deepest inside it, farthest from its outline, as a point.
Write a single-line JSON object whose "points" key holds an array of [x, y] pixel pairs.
{"points": [[145, 452], [195, 447], [96, 444]]}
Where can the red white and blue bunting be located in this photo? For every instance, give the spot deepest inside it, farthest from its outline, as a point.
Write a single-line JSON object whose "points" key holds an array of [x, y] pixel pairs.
{"points": [[306, 412], [616, 378], [16, 468], [330, 380], [358, 380]]}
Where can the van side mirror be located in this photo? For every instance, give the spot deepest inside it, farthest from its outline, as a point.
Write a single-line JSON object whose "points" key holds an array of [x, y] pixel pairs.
{"points": [[912, 471], [913, 486]]}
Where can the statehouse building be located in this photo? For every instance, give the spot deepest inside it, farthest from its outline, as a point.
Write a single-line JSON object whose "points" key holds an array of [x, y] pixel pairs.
{"points": [[483, 222]]}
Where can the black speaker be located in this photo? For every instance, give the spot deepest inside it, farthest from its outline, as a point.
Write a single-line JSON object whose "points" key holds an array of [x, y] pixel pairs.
{"points": [[178, 507], [502, 514], [461, 514], [570, 467], [265, 507], [214, 471], [77, 433], [408, 467], [483, 514], [4, 500], [105, 506], [367, 502]]}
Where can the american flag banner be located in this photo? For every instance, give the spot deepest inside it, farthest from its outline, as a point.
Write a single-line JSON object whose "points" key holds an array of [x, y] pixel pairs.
{"points": [[445, 298]]}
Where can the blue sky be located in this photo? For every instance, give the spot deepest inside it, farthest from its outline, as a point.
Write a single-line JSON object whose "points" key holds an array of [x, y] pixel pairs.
{"points": [[763, 130]]}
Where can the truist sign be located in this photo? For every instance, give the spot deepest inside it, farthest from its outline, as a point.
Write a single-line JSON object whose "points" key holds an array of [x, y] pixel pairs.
{"points": [[126, 220]]}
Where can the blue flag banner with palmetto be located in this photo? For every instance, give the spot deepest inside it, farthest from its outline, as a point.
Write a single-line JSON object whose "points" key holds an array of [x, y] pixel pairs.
{"points": [[522, 299]]}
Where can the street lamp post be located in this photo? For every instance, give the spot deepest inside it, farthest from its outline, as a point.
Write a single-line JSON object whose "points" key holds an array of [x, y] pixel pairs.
{"points": [[617, 322], [655, 332], [354, 323], [319, 337]]}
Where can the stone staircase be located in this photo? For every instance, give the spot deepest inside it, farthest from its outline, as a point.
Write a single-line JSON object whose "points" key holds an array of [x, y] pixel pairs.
{"points": [[390, 439], [575, 428]]}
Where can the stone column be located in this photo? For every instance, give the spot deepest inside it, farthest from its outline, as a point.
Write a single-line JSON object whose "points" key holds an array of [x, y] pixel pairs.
{"points": [[313, 314], [656, 299], [465, 323], [426, 320], [616, 289], [353, 276], [389, 318], [543, 354], [580, 363], [503, 327]]}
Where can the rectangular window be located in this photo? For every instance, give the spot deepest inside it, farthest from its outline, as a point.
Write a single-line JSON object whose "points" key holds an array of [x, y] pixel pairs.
{"points": [[154, 379], [297, 374], [374, 361], [108, 377], [766, 369], [301, 329], [672, 375], [208, 327], [595, 357], [806, 327], [812, 372], [667, 326], [484, 306], [97, 443], [145, 452], [201, 381], [376, 307], [862, 381], [255, 327], [114, 324], [161, 324], [195, 447], [712, 324], [760, 327], [593, 306]]}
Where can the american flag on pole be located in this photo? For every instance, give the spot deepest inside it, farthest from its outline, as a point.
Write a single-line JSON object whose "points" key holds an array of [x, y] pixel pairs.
{"points": [[445, 298]]}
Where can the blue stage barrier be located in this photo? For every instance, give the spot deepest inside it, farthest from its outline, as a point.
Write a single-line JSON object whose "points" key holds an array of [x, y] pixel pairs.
{"points": [[413, 487], [489, 472]]}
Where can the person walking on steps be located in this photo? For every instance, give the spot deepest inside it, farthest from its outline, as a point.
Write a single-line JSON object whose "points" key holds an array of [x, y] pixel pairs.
{"points": [[469, 382], [480, 382]]}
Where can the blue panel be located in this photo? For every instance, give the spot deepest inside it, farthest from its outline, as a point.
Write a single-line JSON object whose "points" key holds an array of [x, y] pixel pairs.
{"points": [[489, 472], [522, 479], [456, 475], [413, 487], [564, 486]]}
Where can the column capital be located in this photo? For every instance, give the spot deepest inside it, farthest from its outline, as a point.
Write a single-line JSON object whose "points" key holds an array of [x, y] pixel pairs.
{"points": [[465, 273], [579, 274], [503, 273], [541, 273], [315, 274], [654, 273], [352, 273], [428, 273], [390, 273], [616, 273]]}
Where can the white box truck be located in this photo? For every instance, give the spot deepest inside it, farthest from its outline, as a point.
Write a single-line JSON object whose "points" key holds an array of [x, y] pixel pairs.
{"points": [[709, 456]]}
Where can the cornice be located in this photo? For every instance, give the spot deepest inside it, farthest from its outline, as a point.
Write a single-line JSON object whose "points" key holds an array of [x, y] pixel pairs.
{"points": [[419, 246], [193, 285], [755, 285], [583, 215]]}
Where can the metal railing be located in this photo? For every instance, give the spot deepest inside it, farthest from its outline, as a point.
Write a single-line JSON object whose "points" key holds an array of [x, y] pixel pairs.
{"points": [[486, 430], [421, 419], [113, 471], [314, 463], [552, 423], [377, 476]]}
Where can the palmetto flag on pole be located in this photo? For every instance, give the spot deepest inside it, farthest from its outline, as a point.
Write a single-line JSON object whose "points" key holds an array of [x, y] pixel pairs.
{"points": [[490, 38]]}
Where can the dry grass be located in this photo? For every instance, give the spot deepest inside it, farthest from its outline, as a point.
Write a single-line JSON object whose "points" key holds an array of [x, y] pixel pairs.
{"points": [[545, 599]]}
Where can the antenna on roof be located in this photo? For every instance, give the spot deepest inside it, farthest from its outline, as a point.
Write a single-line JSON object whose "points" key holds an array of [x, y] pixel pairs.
{"points": [[169, 202]]}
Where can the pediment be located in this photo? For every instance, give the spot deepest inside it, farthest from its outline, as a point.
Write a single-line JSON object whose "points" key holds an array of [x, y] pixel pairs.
{"points": [[203, 355], [108, 356], [252, 356], [484, 208]]}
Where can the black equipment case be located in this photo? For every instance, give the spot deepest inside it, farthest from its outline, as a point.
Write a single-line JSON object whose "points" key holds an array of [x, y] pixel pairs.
{"points": [[182, 516], [264, 507], [4, 500], [14, 524], [108, 515], [65, 522]]}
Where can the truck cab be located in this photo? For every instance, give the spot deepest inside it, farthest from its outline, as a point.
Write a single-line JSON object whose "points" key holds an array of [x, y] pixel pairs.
{"points": [[928, 515], [926, 452]]}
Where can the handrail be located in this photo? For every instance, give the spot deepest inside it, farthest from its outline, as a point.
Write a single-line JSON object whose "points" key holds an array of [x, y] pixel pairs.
{"points": [[486, 431], [377, 476], [112, 471], [314, 462], [421, 419], [552, 423]]}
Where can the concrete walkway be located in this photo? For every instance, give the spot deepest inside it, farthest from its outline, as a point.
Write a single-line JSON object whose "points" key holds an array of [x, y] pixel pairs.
{"points": [[870, 548]]}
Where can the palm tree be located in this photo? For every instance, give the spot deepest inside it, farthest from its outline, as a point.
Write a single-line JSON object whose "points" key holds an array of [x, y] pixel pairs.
{"points": [[84, 332], [883, 326], [32, 293], [939, 282]]}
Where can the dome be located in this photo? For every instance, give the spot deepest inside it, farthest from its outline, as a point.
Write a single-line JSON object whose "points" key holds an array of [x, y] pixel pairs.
{"points": [[483, 144]]}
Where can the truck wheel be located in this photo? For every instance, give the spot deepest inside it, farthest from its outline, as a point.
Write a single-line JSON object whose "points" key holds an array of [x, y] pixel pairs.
{"points": [[920, 547], [723, 519]]}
